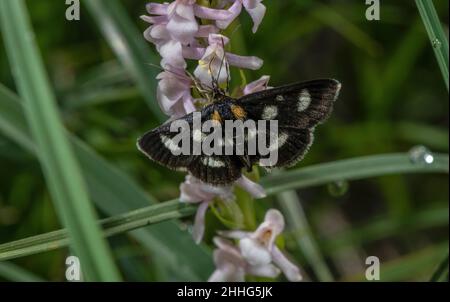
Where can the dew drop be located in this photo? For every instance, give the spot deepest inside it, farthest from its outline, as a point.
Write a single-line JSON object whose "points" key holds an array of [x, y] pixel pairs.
{"points": [[338, 188], [421, 155], [436, 43]]}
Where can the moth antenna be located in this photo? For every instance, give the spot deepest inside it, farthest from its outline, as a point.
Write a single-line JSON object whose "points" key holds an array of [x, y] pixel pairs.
{"points": [[167, 70], [222, 63], [196, 84], [213, 80], [228, 79]]}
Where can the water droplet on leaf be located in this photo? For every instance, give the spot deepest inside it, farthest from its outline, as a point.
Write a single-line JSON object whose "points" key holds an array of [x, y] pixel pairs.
{"points": [[436, 43], [338, 188], [421, 155]]}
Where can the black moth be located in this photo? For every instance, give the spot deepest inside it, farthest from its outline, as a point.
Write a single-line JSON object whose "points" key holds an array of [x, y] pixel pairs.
{"points": [[299, 108]]}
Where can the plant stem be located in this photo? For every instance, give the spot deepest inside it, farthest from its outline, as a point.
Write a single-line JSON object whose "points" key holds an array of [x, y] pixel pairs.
{"points": [[436, 34]]}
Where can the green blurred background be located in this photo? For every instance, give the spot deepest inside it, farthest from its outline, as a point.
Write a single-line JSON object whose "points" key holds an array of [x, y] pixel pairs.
{"points": [[393, 98]]}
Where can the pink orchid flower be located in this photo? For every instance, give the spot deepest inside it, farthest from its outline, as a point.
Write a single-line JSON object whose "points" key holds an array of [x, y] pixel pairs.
{"points": [[213, 63], [214, 58], [259, 249], [195, 191], [231, 266], [179, 19]]}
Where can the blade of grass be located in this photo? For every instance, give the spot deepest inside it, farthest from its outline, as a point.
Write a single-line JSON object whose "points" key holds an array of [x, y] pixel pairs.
{"points": [[389, 85], [328, 16], [401, 269], [60, 167], [12, 272], [111, 226], [436, 34], [293, 211], [385, 227], [441, 273], [114, 193], [141, 217], [129, 45], [423, 134], [351, 169]]}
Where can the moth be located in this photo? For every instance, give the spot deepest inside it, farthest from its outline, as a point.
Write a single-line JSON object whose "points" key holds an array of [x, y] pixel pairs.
{"points": [[298, 108]]}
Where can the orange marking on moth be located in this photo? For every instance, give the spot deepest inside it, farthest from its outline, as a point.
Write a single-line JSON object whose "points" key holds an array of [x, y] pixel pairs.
{"points": [[238, 112], [216, 116]]}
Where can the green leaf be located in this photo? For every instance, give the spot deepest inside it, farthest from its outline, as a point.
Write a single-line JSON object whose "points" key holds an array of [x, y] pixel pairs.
{"points": [[441, 273], [172, 209], [13, 272], [114, 193], [352, 169], [111, 226], [54, 152], [385, 227], [436, 34], [415, 264], [130, 47], [295, 215]]}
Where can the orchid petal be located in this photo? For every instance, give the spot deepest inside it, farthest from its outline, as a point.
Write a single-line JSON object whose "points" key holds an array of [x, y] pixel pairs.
{"points": [[290, 270], [157, 8], [252, 63], [256, 86], [212, 65], [205, 30], [235, 234], [191, 192], [203, 12], [182, 24], [219, 40], [172, 54], [276, 219], [267, 231], [269, 271], [256, 190], [234, 11], [257, 15], [250, 4], [255, 253], [199, 224], [193, 53], [154, 19]]}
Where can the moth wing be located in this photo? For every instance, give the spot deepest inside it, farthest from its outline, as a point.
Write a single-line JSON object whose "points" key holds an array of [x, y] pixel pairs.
{"points": [[217, 170], [160, 144], [298, 108], [302, 105], [164, 147]]}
